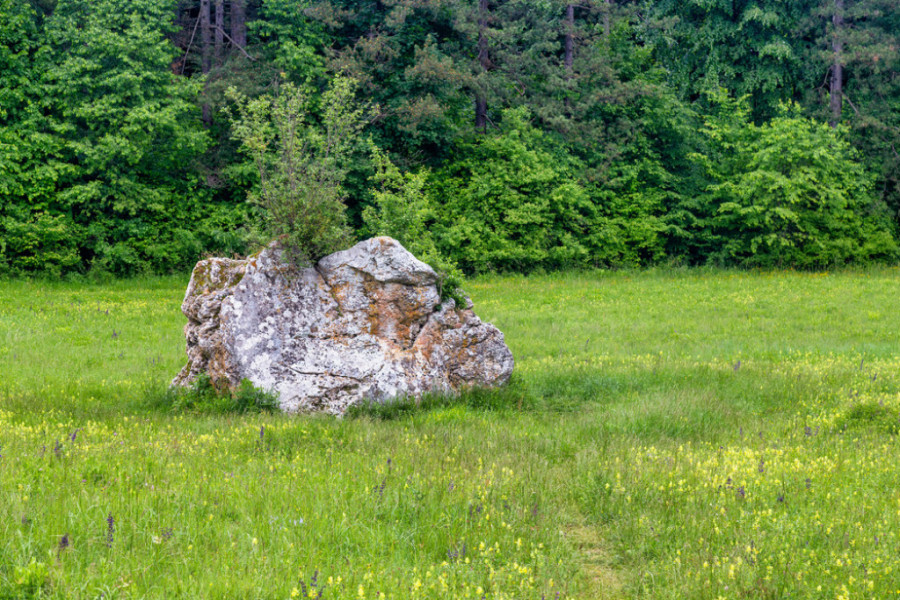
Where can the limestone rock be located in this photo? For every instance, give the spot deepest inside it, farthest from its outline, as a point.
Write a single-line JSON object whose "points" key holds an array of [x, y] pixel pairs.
{"points": [[364, 324]]}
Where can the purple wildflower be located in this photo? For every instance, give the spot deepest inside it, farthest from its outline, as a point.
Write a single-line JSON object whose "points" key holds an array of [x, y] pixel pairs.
{"points": [[110, 530], [314, 591]]}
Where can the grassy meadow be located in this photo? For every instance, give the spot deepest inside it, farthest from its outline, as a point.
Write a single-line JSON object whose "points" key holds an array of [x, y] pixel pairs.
{"points": [[666, 435]]}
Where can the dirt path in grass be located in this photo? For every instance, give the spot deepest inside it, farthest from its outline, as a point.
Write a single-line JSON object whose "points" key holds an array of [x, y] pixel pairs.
{"points": [[604, 581]]}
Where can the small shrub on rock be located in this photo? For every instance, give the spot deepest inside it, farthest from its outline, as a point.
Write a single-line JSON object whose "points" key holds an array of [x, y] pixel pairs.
{"points": [[300, 161]]}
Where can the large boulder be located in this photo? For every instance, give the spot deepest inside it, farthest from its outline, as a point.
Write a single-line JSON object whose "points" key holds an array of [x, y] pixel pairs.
{"points": [[365, 324]]}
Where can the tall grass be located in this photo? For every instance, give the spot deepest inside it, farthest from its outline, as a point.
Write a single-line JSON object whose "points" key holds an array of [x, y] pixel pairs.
{"points": [[667, 434]]}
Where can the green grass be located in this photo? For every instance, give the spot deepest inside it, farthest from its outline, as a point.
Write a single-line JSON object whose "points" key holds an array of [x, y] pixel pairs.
{"points": [[667, 434]]}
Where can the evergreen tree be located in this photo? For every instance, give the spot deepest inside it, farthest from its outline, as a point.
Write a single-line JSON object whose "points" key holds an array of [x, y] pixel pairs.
{"points": [[857, 51], [751, 47]]}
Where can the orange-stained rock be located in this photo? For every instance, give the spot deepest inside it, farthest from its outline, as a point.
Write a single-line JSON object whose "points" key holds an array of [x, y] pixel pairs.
{"points": [[364, 324]]}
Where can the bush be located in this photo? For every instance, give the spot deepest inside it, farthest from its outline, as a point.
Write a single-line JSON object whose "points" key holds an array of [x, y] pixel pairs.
{"points": [[790, 193], [38, 242], [301, 166], [509, 201]]}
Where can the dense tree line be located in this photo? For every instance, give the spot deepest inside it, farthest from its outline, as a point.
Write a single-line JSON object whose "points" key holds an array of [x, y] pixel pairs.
{"points": [[522, 134]]}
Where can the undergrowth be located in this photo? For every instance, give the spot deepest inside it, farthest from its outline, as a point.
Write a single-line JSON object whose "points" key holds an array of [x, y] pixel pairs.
{"points": [[204, 396]]}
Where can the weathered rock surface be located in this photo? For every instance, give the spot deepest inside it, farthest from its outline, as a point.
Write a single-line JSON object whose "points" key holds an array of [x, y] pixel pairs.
{"points": [[365, 324]]}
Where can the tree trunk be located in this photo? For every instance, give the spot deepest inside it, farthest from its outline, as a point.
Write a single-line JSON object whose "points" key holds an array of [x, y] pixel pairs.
{"points": [[570, 39], [481, 119], [205, 37], [837, 69], [206, 43], [220, 32], [239, 23], [607, 20]]}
